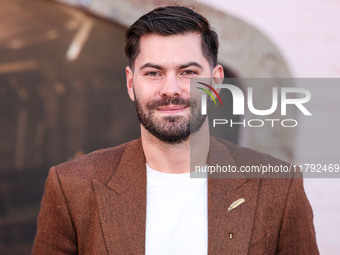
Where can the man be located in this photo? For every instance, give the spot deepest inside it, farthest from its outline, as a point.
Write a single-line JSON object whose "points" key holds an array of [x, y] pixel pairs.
{"points": [[138, 198]]}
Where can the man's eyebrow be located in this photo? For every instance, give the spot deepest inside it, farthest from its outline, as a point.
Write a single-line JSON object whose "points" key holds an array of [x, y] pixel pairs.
{"points": [[151, 65], [193, 63]]}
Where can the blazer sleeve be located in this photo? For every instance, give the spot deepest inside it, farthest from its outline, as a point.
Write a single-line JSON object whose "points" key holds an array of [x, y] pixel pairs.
{"points": [[297, 234], [55, 231]]}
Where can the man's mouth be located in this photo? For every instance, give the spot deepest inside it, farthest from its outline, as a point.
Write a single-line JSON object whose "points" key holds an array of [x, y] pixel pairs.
{"points": [[172, 109]]}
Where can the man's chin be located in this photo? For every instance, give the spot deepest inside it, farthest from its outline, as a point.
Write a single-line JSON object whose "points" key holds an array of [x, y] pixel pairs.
{"points": [[173, 138], [170, 131]]}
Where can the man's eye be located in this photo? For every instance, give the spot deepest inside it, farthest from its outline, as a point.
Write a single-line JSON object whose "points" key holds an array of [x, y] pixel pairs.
{"points": [[189, 72], [153, 74]]}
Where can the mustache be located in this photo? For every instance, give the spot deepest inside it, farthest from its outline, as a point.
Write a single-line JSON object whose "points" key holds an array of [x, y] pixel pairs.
{"points": [[154, 104]]}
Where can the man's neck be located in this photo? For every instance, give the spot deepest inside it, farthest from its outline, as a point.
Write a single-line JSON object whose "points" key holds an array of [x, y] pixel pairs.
{"points": [[176, 158]]}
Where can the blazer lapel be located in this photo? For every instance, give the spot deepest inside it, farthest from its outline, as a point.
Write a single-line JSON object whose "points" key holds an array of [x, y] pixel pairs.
{"points": [[229, 232], [122, 203]]}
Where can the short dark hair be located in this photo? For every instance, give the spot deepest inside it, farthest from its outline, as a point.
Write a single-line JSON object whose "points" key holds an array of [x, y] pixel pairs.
{"points": [[172, 20]]}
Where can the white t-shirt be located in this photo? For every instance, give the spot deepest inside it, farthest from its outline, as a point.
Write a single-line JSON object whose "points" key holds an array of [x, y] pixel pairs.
{"points": [[176, 214]]}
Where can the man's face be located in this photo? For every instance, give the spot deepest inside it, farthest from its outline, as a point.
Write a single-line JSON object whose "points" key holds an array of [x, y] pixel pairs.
{"points": [[160, 85]]}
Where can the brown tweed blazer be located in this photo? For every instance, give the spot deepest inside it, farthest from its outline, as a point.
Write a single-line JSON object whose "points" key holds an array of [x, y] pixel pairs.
{"points": [[96, 204]]}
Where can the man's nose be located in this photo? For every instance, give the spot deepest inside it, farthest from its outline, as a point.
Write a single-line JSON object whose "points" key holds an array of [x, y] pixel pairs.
{"points": [[171, 87]]}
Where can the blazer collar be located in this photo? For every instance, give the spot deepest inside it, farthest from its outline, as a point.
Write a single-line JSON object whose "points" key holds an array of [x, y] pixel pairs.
{"points": [[133, 165], [131, 168], [220, 155]]}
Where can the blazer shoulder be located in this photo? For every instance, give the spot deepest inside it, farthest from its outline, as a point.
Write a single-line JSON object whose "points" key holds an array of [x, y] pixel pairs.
{"points": [[249, 156], [100, 165], [258, 164]]}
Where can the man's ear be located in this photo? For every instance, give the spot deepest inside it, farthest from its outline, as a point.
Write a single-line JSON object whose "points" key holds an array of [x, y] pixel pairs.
{"points": [[218, 74], [129, 82]]}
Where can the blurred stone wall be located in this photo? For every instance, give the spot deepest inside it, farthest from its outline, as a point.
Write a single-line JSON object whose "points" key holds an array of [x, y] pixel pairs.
{"points": [[54, 107]]}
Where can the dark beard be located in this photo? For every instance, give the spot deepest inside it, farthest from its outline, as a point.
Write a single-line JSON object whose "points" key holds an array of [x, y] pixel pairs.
{"points": [[171, 129]]}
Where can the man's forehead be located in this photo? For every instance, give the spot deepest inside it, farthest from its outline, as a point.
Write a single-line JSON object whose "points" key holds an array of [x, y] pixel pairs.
{"points": [[170, 50]]}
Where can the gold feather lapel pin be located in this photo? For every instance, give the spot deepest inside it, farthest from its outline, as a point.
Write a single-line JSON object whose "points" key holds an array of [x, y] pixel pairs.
{"points": [[236, 204]]}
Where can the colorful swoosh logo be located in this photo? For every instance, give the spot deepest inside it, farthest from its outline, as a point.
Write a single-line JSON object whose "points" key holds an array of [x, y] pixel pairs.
{"points": [[208, 92]]}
